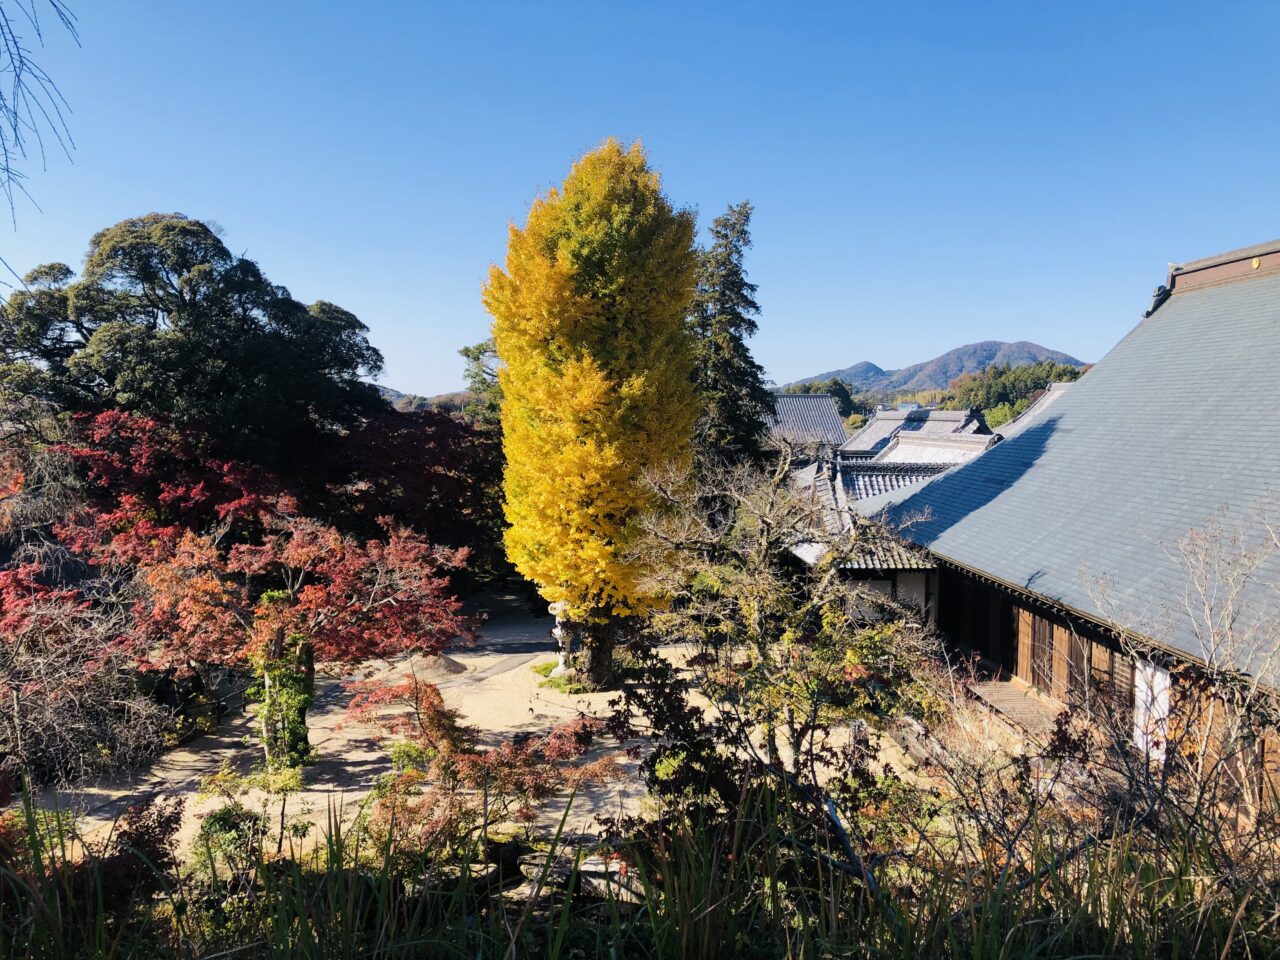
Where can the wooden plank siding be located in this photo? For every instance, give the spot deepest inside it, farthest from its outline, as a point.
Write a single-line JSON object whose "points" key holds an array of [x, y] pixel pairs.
{"points": [[1070, 663], [1070, 659], [1101, 662], [1023, 644], [1061, 686], [1060, 657], [1042, 653]]}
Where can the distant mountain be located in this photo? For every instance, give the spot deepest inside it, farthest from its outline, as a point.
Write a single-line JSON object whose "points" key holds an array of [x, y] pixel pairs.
{"points": [[935, 374], [408, 402]]}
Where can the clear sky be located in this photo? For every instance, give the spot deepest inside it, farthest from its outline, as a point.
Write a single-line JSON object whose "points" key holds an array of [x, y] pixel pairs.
{"points": [[924, 174]]}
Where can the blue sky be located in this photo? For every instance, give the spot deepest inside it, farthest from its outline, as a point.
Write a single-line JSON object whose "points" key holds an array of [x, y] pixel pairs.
{"points": [[924, 175]]}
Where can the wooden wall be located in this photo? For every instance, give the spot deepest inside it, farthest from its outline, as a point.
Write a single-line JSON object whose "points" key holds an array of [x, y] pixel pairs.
{"points": [[1001, 626], [1023, 643]]}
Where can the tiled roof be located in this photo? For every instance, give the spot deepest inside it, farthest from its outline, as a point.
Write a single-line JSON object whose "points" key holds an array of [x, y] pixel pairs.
{"points": [[871, 478], [929, 448], [877, 551], [808, 418], [887, 424], [887, 555], [1091, 493], [883, 555]]}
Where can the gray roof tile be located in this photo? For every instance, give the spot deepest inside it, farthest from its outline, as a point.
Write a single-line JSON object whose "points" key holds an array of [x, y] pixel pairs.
{"points": [[1102, 484], [808, 418], [871, 478], [887, 424]]}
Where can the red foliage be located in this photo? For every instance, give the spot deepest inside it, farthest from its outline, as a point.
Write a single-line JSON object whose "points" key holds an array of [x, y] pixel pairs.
{"points": [[193, 607], [355, 600], [210, 537], [352, 600], [28, 605], [459, 788], [427, 470], [411, 710], [149, 482]]}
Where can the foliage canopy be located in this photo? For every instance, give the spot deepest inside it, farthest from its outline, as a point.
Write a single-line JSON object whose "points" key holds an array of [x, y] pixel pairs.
{"points": [[165, 321], [589, 324], [1002, 392]]}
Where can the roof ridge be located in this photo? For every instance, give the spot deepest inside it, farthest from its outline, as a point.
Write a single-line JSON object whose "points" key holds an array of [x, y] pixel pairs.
{"points": [[918, 437], [1229, 256], [891, 466]]}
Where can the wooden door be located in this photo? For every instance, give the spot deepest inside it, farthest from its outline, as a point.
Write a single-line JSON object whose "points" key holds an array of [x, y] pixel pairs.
{"points": [[1077, 665], [1042, 653], [1021, 619]]}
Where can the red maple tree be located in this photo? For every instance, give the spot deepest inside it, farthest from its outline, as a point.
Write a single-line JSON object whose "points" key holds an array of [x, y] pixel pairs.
{"points": [[230, 571], [449, 790]]}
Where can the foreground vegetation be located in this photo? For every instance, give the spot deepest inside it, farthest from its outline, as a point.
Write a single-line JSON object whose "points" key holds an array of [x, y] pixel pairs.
{"points": [[740, 883]]}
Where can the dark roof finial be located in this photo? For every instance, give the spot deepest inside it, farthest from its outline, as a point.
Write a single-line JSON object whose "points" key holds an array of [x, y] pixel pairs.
{"points": [[1157, 299]]}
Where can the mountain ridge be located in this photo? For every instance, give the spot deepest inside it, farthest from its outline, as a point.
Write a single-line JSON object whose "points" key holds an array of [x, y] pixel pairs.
{"points": [[411, 402], [937, 373]]}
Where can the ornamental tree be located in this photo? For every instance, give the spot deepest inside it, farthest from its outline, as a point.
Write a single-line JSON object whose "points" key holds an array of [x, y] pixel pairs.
{"points": [[589, 326], [303, 592], [223, 568]]}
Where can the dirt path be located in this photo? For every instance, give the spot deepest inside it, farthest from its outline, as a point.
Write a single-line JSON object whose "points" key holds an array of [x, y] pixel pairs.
{"points": [[491, 683]]}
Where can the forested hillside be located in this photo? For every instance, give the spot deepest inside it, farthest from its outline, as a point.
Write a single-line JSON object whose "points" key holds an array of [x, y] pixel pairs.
{"points": [[937, 374], [454, 402], [1000, 391]]}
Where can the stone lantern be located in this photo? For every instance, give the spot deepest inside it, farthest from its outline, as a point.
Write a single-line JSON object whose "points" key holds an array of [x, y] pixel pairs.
{"points": [[562, 635]]}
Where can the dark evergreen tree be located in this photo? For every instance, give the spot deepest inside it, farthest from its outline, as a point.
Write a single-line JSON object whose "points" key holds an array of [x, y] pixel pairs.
{"points": [[730, 384], [165, 321]]}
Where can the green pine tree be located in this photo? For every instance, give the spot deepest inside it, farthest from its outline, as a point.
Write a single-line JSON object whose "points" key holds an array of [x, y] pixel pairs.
{"points": [[484, 406], [735, 404]]}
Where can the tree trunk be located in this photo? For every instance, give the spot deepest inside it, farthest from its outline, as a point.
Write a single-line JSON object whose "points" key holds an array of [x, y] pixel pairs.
{"points": [[595, 656], [288, 683]]}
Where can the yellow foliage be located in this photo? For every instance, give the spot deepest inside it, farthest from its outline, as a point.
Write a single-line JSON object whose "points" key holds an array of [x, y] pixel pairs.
{"points": [[589, 322]]}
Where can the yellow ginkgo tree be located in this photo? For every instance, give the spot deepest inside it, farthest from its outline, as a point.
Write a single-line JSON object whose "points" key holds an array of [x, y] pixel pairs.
{"points": [[589, 324]]}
